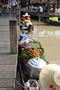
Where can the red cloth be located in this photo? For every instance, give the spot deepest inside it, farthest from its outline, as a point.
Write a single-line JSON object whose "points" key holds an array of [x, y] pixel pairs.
{"points": [[54, 9], [24, 18], [1, 4]]}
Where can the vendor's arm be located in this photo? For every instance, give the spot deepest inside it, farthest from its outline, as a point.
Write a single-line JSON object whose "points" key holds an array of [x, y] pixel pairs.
{"points": [[27, 21]]}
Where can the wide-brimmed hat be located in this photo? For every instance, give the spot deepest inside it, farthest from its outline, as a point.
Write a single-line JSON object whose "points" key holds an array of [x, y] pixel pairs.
{"points": [[57, 78], [26, 14], [50, 77]]}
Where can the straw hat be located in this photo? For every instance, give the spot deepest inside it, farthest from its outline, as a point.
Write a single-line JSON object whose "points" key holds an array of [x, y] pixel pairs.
{"points": [[57, 78], [50, 77], [26, 14]]}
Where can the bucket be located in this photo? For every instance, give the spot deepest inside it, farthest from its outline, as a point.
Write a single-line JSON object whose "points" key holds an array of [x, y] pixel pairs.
{"points": [[21, 36]]}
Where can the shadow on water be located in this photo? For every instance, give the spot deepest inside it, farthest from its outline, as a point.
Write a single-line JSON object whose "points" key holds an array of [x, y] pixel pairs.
{"points": [[41, 24]]}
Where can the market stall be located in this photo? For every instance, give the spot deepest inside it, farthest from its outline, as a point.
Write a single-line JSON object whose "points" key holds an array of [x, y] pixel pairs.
{"points": [[31, 59]]}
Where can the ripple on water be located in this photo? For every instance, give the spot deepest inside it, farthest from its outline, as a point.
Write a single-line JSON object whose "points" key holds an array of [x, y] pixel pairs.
{"points": [[57, 34], [53, 34]]}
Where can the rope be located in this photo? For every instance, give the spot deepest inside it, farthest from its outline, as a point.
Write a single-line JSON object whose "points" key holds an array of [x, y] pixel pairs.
{"points": [[20, 84]]}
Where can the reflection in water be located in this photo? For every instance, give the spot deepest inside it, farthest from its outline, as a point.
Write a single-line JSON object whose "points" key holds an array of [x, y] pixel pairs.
{"points": [[53, 34], [49, 36]]}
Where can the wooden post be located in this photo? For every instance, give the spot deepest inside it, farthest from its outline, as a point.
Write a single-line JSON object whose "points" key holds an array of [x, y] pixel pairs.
{"points": [[39, 18], [13, 36], [57, 4], [18, 12]]}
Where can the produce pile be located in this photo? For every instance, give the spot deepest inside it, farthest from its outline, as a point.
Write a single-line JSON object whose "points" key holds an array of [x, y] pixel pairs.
{"points": [[31, 57], [33, 84], [26, 53]]}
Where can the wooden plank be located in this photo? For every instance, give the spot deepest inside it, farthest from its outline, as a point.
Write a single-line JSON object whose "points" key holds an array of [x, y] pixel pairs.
{"points": [[4, 50], [7, 71], [4, 39], [4, 44], [4, 36], [6, 89], [7, 83], [13, 36], [4, 28], [4, 32], [8, 62], [3, 23], [8, 59]]}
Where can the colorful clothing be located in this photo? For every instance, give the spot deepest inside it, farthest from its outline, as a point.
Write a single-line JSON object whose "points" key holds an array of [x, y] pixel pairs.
{"points": [[53, 18], [54, 9], [24, 18], [13, 2]]}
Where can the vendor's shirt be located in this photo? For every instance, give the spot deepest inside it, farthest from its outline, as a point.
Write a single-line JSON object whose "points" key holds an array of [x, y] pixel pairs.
{"points": [[54, 9], [29, 35], [26, 19], [41, 9], [13, 2]]}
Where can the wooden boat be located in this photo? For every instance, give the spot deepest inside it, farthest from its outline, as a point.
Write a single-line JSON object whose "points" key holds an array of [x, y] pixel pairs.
{"points": [[24, 78], [50, 22], [23, 57]]}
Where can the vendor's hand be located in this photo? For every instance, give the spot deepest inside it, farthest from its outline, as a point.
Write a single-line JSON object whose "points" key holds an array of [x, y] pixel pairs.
{"points": [[27, 21]]}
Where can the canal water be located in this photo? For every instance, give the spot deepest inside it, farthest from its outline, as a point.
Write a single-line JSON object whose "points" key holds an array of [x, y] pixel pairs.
{"points": [[49, 36]]}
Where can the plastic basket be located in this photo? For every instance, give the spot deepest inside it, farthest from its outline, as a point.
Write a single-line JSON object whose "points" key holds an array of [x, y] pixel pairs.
{"points": [[33, 88]]}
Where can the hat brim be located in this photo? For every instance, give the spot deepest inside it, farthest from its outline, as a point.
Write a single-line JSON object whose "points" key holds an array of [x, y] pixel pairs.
{"points": [[47, 77], [26, 15], [57, 78]]}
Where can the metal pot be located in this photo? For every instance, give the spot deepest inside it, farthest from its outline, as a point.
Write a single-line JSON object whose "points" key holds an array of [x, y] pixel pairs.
{"points": [[34, 66]]}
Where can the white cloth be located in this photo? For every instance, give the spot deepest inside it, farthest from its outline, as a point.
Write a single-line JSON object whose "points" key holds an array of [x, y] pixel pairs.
{"points": [[41, 9], [13, 2]]}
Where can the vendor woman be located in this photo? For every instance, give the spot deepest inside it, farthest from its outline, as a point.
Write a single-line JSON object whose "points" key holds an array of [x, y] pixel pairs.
{"points": [[26, 17], [30, 29], [30, 32]]}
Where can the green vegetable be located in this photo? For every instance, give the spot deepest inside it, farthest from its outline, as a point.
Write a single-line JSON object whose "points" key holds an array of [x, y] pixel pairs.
{"points": [[22, 57]]}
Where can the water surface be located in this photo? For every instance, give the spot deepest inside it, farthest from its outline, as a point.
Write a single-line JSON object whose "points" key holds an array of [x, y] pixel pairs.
{"points": [[49, 36]]}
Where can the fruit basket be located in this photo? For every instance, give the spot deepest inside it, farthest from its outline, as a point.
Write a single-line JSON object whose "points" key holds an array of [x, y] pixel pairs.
{"points": [[32, 84]]}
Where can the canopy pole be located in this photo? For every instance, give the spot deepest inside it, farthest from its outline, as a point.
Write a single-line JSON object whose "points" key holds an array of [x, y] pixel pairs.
{"points": [[40, 1], [57, 4]]}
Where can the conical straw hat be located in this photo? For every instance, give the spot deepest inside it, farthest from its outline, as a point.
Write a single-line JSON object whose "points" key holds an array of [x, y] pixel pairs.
{"points": [[26, 14], [49, 78], [57, 78]]}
